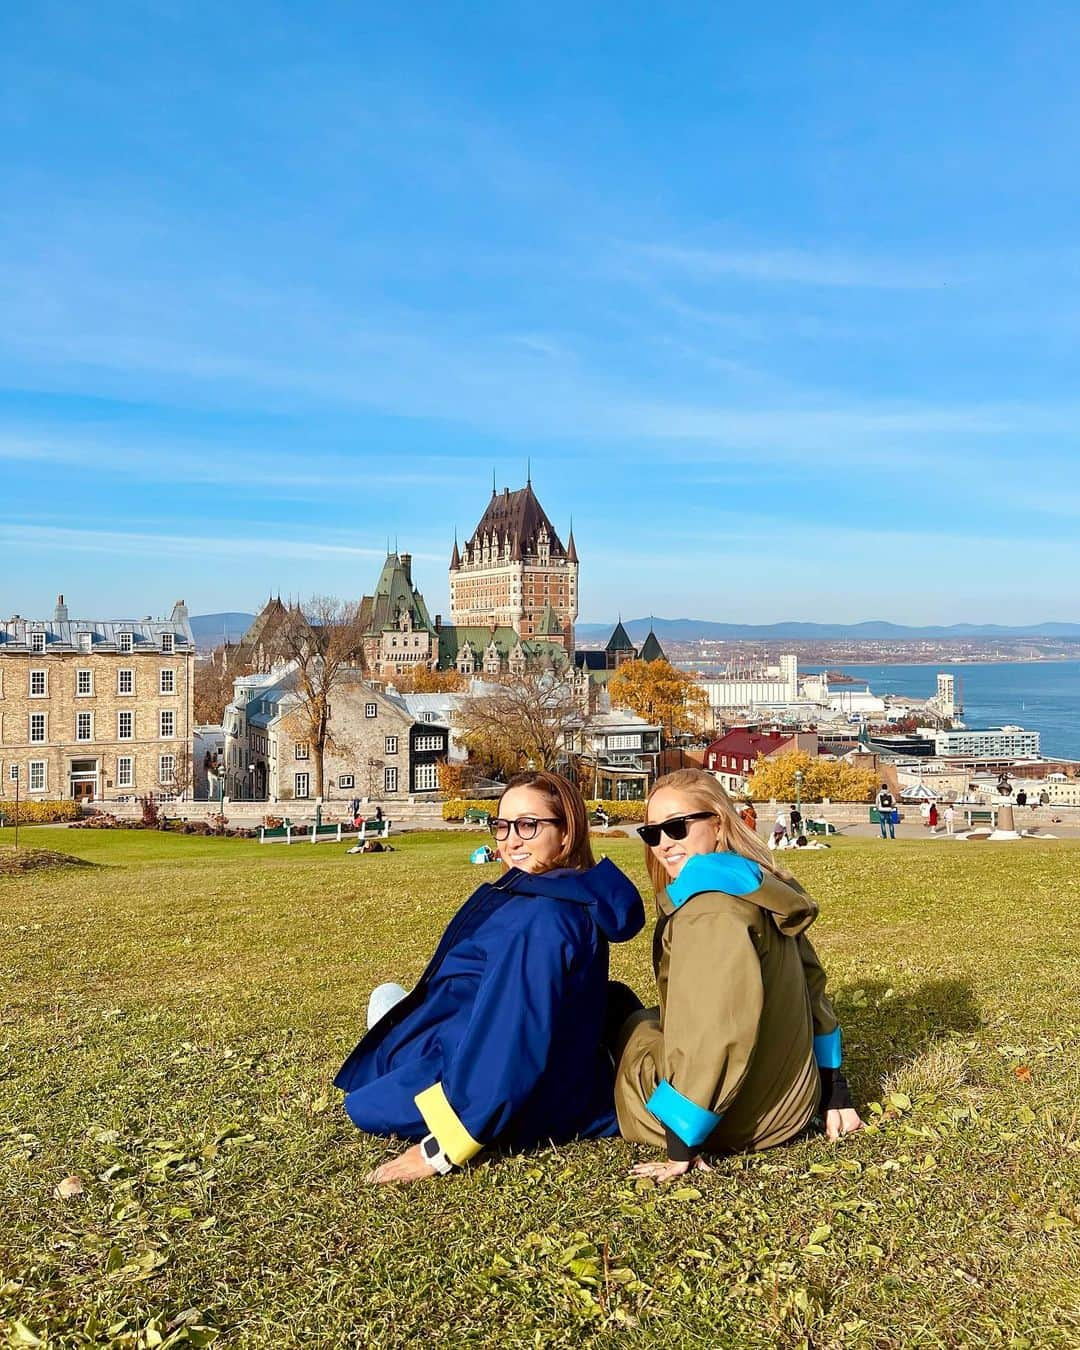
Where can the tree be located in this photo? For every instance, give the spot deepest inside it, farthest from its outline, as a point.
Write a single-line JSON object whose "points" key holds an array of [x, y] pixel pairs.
{"points": [[527, 719], [774, 779], [183, 774], [213, 686], [664, 696], [423, 681], [327, 641]]}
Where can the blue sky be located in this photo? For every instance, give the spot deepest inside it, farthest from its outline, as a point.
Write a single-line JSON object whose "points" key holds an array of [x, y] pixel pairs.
{"points": [[783, 303]]}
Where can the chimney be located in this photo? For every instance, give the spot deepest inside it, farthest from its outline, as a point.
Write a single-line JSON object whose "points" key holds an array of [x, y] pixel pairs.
{"points": [[180, 612], [61, 613], [438, 623], [406, 566]]}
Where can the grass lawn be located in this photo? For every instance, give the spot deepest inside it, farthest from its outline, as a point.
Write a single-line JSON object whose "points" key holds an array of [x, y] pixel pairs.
{"points": [[170, 1020]]}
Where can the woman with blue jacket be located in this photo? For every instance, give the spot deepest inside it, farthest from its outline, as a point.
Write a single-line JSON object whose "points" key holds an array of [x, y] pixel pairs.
{"points": [[500, 1041]]}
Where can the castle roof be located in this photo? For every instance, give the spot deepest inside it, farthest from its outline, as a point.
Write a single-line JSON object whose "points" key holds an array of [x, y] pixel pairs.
{"points": [[519, 517], [549, 625], [394, 594], [651, 649], [619, 641]]}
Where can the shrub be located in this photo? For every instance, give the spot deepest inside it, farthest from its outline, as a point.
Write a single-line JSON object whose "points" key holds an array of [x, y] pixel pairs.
{"points": [[623, 810], [40, 813], [455, 808], [149, 809]]}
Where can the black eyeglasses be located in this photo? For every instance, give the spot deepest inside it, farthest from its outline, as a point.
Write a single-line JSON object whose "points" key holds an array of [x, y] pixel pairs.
{"points": [[675, 828], [525, 826]]}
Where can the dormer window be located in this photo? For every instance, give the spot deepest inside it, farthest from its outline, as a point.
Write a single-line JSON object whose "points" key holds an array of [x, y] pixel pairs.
{"points": [[37, 642], [126, 641], [167, 642], [86, 642]]}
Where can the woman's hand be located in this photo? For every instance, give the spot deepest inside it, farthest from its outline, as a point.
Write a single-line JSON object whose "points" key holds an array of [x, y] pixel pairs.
{"points": [[839, 1122], [668, 1170], [409, 1166]]}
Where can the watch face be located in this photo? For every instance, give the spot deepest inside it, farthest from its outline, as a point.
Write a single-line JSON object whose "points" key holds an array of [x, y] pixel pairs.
{"points": [[431, 1147]]}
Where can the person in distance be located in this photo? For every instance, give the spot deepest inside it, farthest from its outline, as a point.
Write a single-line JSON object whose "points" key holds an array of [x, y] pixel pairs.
{"points": [[501, 1040]]}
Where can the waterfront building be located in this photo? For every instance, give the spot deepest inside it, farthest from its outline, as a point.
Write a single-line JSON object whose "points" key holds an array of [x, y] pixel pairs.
{"points": [[996, 744], [755, 687], [376, 748], [96, 709]]}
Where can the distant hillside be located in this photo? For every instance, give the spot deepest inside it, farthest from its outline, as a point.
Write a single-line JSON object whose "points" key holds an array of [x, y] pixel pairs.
{"points": [[211, 630], [690, 630]]}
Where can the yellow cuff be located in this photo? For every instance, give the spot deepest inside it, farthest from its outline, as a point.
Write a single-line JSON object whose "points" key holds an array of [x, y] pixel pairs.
{"points": [[441, 1119]]}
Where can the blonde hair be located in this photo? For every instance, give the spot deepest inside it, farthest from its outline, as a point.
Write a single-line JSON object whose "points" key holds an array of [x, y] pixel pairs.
{"points": [[704, 793]]}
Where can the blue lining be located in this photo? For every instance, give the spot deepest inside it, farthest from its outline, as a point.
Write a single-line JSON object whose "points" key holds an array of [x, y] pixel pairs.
{"points": [[692, 1123], [728, 872], [827, 1050]]}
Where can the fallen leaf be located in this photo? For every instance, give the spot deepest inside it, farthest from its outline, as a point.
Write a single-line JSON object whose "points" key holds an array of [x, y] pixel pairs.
{"points": [[1023, 1073], [70, 1186]]}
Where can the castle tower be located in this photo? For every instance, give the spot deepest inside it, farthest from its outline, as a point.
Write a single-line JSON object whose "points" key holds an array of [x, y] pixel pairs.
{"points": [[514, 571]]}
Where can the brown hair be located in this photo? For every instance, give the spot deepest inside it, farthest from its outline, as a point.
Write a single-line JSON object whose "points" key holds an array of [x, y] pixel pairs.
{"points": [[568, 805], [733, 835]]}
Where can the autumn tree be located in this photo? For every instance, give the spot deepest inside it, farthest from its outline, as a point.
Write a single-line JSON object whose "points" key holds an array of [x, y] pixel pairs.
{"points": [[773, 779], [526, 718], [424, 681], [664, 696], [322, 644], [213, 687]]}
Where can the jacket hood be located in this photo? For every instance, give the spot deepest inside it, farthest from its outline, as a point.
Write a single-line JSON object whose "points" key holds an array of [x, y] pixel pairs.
{"points": [[611, 896], [791, 909]]}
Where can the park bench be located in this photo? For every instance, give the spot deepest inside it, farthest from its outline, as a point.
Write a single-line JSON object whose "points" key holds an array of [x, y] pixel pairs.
{"points": [[819, 827], [980, 816], [476, 815], [875, 815], [289, 833]]}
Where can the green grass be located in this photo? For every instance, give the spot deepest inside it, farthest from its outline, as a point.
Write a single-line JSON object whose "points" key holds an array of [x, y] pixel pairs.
{"points": [[170, 1020]]}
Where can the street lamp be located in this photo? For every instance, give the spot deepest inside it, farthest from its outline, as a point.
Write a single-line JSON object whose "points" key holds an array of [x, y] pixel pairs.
{"points": [[798, 790], [251, 771]]}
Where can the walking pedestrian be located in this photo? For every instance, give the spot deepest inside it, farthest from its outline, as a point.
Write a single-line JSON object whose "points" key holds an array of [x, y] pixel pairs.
{"points": [[950, 819]]}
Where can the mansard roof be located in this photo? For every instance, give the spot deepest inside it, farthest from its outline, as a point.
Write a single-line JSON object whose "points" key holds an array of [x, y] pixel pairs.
{"points": [[453, 637], [68, 635], [549, 625], [519, 517], [394, 593]]}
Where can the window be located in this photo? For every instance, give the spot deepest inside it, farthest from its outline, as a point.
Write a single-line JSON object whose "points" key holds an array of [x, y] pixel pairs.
{"points": [[86, 642], [346, 780], [39, 684], [168, 681], [125, 725], [390, 745], [624, 742], [428, 743], [37, 642], [167, 721], [303, 750], [167, 642], [84, 683], [301, 784], [371, 710], [84, 726], [125, 680], [37, 728], [166, 768], [126, 641], [389, 780], [426, 777], [429, 717], [13, 773], [125, 771], [37, 775]]}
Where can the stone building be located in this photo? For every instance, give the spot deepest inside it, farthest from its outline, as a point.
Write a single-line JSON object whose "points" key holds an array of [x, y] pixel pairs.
{"points": [[377, 749], [514, 572], [601, 663], [97, 710]]}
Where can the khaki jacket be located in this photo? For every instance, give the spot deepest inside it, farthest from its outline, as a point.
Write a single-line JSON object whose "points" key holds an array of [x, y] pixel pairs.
{"points": [[727, 1062]]}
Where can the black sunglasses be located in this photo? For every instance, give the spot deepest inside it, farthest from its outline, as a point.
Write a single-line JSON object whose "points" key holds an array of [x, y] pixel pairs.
{"points": [[525, 826], [675, 828]]}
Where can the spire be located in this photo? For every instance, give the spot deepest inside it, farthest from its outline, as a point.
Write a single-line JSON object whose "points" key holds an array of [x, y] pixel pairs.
{"points": [[528, 472], [494, 489], [571, 547], [455, 557]]}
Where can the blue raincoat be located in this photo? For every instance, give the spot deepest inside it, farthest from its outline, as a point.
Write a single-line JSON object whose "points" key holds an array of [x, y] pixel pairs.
{"points": [[500, 1039]]}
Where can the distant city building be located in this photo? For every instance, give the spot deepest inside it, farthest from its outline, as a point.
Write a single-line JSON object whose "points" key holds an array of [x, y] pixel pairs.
{"points": [[987, 743], [618, 755], [733, 757], [399, 635], [96, 709], [752, 688]]}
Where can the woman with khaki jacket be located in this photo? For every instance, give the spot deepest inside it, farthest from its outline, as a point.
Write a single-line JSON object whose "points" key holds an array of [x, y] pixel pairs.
{"points": [[744, 1049]]}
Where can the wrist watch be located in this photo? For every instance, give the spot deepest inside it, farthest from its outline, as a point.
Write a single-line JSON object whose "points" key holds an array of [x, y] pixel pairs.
{"points": [[434, 1155]]}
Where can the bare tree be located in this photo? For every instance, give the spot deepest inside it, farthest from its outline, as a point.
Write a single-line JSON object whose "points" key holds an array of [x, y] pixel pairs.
{"points": [[528, 718], [324, 642]]}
